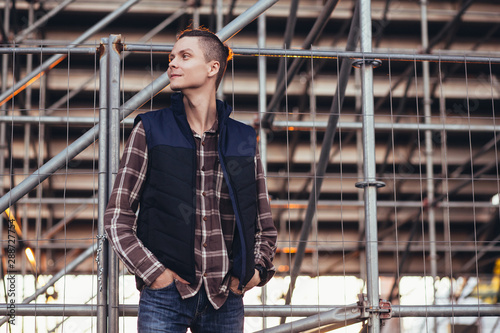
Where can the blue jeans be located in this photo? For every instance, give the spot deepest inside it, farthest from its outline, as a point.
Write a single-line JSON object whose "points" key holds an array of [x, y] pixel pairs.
{"points": [[163, 310]]}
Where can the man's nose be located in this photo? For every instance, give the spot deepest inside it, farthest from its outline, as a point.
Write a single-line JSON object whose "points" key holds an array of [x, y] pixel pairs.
{"points": [[172, 63]]}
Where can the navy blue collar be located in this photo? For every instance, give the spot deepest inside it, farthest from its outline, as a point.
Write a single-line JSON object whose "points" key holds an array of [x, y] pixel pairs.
{"points": [[223, 109]]}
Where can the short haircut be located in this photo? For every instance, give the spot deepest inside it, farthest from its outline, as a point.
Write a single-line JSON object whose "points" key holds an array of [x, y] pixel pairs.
{"points": [[213, 48]]}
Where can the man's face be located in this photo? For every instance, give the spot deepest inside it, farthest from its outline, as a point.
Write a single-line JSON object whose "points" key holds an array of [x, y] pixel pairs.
{"points": [[187, 68]]}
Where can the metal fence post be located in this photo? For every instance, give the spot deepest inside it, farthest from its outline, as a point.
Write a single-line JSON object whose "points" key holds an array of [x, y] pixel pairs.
{"points": [[429, 164], [109, 150], [113, 85], [102, 248], [262, 65], [369, 182]]}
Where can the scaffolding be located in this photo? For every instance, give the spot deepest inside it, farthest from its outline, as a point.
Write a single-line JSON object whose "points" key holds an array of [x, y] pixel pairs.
{"points": [[381, 192]]}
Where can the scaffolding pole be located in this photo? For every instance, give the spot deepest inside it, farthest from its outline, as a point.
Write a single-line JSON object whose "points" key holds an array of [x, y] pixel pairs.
{"points": [[458, 247], [277, 203], [369, 182], [332, 319], [429, 164], [109, 150], [113, 76], [47, 50], [398, 311], [302, 125], [219, 23], [103, 191], [334, 54], [262, 64]]}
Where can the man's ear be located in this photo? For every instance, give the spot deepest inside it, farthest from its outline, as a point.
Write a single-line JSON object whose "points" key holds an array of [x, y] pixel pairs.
{"points": [[214, 68]]}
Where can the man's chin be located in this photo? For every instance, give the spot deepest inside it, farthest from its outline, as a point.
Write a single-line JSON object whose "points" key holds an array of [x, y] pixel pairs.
{"points": [[175, 88]]}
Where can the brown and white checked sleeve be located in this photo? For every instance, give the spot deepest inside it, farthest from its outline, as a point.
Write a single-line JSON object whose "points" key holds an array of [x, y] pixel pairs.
{"points": [[266, 233], [120, 220]]}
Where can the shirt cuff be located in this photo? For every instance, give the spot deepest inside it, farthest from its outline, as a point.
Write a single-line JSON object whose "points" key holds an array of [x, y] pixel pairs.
{"points": [[271, 270], [149, 272]]}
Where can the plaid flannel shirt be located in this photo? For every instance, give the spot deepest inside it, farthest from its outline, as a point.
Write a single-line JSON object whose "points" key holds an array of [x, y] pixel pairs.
{"points": [[215, 221]]}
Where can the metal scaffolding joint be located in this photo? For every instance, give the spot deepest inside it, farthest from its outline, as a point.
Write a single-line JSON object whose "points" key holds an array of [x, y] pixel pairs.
{"points": [[384, 309], [358, 63], [375, 183], [117, 45]]}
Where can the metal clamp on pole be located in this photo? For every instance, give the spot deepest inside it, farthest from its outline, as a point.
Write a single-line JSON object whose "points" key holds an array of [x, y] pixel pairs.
{"points": [[363, 306], [358, 63], [366, 183], [384, 309]]}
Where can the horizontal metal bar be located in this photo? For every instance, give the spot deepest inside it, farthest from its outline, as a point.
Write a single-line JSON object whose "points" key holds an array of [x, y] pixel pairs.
{"points": [[302, 204], [48, 310], [44, 244], [458, 310], [307, 125], [48, 50], [129, 310], [55, 201], [332, 54], [286, 310], [278, 124], [317, 245], [365, 55], [55, 120], [401, 247], [291, 204], [266, 52]]}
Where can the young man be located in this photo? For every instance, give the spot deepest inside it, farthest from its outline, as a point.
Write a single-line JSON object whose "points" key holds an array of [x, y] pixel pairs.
{"points": [[204, 234]]}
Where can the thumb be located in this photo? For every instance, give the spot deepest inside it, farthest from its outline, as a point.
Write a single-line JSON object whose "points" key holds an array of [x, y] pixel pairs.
{"points": [[181, 280]]}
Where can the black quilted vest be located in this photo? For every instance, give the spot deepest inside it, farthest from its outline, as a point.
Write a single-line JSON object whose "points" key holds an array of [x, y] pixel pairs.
{"points": [[166, 220]]}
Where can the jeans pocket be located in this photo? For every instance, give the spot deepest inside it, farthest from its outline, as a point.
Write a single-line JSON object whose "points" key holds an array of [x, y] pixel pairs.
{"points": [[167, 287], [236, 293]]}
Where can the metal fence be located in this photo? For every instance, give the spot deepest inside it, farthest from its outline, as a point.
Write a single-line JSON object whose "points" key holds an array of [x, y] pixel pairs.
{"points": [[439, 226]]}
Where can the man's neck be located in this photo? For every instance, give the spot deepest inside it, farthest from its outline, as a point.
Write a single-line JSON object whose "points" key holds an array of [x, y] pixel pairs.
{"points": [[201, 111]]}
